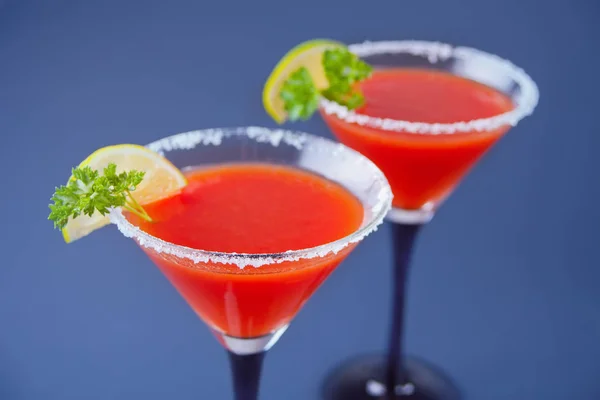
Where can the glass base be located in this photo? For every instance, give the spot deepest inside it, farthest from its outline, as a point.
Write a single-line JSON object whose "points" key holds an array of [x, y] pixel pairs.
{"points": [[362, 379], [247, 346], [410, 217]]}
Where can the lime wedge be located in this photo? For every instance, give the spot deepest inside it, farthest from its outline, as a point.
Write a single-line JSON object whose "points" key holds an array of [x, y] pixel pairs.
{"points": [[309, 55], [161, 180]]}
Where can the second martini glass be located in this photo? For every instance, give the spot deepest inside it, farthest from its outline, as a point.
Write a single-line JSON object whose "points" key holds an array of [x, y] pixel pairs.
{"points": [[248, 299], [432, 110]]}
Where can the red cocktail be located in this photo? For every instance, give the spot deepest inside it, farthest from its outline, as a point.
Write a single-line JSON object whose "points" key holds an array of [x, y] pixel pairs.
{"points": [[430, 112], [265, 217], [422, 169], [251, 208]]}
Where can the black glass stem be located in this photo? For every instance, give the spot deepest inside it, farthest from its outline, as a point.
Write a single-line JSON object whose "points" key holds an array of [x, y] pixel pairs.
{"points": [[403, 237], [393, 376], [246, 370]]}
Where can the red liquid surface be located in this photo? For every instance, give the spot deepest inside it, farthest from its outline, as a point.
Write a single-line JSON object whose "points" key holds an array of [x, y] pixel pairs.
{"points": [[251, 208], [422, 168]]}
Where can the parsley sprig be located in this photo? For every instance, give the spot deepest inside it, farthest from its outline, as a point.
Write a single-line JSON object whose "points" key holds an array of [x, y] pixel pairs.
{"points": [[89, 191], [343, 70], [300, 95]]}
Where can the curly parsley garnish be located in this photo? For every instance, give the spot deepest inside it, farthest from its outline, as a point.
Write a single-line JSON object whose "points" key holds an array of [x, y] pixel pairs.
{"points": [[343, 70], [89, 191]]}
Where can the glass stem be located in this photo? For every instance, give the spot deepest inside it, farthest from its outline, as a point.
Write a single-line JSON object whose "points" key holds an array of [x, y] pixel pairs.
{"points": [[246, 370], [403, 240]]}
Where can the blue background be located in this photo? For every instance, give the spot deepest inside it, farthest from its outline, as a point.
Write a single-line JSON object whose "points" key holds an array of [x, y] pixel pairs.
{"points": [[504, 292]]}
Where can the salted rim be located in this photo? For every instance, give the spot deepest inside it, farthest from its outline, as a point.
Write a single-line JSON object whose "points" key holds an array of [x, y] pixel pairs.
{"points": [[525, 101], [189, 140]]}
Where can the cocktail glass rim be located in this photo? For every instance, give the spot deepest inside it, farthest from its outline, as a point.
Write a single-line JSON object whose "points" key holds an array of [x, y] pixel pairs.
{"points": [[189, 140], [525, 100]]}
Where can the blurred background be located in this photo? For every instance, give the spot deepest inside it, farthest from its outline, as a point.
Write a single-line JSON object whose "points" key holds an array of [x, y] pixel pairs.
{"points": [[504, 291]]}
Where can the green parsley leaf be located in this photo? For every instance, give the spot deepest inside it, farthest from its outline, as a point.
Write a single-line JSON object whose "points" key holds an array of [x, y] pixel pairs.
{"points": [[343, 71], [300, 95], [88, 191]]}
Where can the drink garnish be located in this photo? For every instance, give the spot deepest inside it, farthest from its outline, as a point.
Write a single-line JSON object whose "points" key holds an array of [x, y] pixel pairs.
{"points": [[314, 69], [126, 176], [344, 70], [89, 191]]}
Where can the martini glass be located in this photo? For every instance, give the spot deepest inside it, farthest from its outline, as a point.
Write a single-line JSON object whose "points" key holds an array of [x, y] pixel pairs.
{"points": [[424, 159], [232, 291]]}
